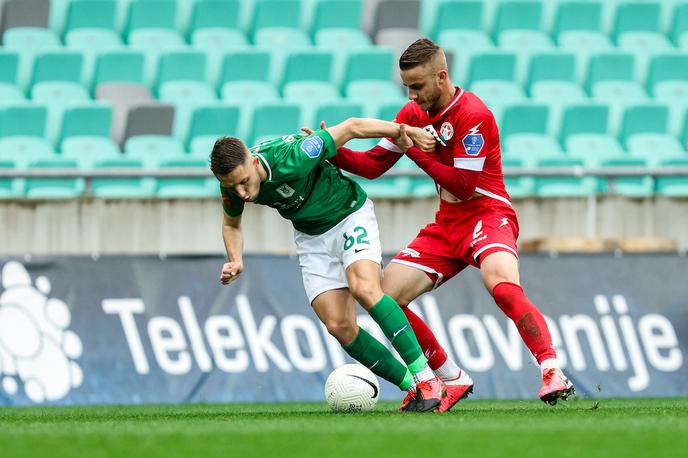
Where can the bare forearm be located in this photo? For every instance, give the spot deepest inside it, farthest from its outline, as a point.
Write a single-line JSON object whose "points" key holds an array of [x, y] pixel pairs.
{"points": [[234, 243], [362, 128]]}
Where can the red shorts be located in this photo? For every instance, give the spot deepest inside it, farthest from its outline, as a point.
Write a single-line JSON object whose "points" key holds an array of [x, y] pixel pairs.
{"points": [[463, 234]]}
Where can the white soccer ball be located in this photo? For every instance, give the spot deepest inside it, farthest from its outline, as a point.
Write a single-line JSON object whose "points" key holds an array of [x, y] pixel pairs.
{"points": [[352, 388]]}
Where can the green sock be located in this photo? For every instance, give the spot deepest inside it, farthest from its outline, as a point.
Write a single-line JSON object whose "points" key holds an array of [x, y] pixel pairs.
{"points": [[397, 328], [372, 354]]}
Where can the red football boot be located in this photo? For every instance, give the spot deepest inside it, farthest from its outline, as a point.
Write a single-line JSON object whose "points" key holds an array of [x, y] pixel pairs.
{"points": [[429, 395], [457, 389], [555, 386]]}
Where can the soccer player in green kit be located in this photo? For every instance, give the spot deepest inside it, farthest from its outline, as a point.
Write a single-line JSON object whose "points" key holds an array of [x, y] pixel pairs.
{"points": [[337, 240]]}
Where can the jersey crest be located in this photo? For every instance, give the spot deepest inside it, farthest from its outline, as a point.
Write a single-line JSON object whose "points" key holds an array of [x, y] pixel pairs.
{"points": [[447, 131], [312, 146], [285, 190]]}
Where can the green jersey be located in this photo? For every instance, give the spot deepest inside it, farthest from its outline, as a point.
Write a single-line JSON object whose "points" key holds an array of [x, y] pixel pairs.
{"points": [[303, 187]]}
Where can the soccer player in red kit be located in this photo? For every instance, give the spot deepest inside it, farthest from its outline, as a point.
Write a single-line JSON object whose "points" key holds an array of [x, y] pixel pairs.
{"points": [[475, 224]]}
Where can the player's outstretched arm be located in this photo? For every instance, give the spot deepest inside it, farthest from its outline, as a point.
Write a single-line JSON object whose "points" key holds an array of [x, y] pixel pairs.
{"points": [[234, 244], [376, 128]]}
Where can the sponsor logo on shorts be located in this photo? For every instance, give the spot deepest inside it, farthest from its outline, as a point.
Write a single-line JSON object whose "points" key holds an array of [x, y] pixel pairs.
{"points": [[478, 235], [409, 252], [312, 146]]}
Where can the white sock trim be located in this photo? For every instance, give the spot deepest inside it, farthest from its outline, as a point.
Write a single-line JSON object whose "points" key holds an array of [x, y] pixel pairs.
{"points": [[550, 363]]}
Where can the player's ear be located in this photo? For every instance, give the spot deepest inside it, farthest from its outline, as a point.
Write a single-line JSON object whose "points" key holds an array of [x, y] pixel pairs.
{"points": [[442, 75]]}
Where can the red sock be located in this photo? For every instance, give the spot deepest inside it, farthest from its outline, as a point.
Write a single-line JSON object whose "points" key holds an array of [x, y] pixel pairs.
{"points": [[528, 319], [428, 343]]}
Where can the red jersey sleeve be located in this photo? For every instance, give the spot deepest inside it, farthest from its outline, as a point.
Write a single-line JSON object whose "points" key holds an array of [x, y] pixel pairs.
{"points": [[476, 137]]}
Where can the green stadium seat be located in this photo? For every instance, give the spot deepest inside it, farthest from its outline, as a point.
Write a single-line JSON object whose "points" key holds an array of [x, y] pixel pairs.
{"points": [[151, 149], [92, 14], [336, 14], [249, 92], [254, 65], [642, 186], [373, 94], [524, 119], [25, 120], [370, 64], [341, 40], [674, 94], [679, 23], [154, 42], [648, 118], [577, 15], [654, 145], [272, 121], [524, 43], [310, 95], [10, 188], [57, 95], [529, 146], [551, 66], [151, 14], [217, 120], [584, 43], [91, 43], [10, 95], [57, 66], [276, 13], [673, 186], [89, 149], [119, 66], [335, 112], [559, 187], [185, 96], [388, 111], [667, 67], [311, 65], [181, 65], [498, 94], [462, 45], [453, 15], [557, 92], [584, 119], [281, 40], [386, 187], [518, 187], [54, 188], [23, 149], [492, 66], [28, 41], [637, 16], [122, 188], [592, 148], [201, 146], [520, 15], [215, 42], [92, 119], [9, 67], [618, 95], [610, 66], [185, 188], [214, 14]]}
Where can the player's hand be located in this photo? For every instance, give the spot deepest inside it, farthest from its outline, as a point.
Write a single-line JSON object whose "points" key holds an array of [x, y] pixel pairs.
{"points": [[423, 139], [230, 272], [308, 131], [403, 141]]}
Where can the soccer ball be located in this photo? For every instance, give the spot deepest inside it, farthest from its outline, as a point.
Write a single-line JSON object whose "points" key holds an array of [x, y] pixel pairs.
{"points": [[352, 388]]}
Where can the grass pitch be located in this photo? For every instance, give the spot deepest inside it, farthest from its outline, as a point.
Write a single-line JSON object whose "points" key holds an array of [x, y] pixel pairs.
{"points": [[476, 429]]}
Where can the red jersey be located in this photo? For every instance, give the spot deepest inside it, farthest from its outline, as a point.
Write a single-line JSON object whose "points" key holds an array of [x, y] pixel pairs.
{"points": [[471, 139]]}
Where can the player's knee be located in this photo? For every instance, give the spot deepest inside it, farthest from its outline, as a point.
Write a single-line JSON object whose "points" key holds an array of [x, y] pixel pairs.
{"points": [[342, 330], [367, 293]]}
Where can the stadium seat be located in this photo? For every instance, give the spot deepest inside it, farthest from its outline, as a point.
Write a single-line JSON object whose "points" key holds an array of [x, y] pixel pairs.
{"points": [[217, 120], [517, 187], [86, 119], [388, 111], [551, 66], [648, 118], [92, 14], [674, 94], [310, 95], [528, 146], [637, 16], [9, 67], [254, 65], [25, 120], [10, 188], [519, 15], [373, 94], [584, 119], [276, 13], [119, 66], [122, 188], [182, 187], [10, 95], [584, 43], [577, 15], [54, 188], [91, 43], [453, 15], [272, 121], [618, 95], [592, 148], [335, 112], [462, 45], [386, 187], [281, 40], [370, 64], [57, 95], [57, 66], [308, 66], [341, 40], [151, 14], [336, 14], [181, 65], [667, 67], [557, 92], [395, 14], [151, 149], [201, 146], [153, 42], [148, 119], [564, 186], [21, 13], [30, 39], [498, 94], [214, 14], [217, 39], [87, 150], [185, 96], [610, 66], [641, 186], [654, 145], [249, 92], [22, 149], [679, 23], [492, 66], [397, 40], [524, 119], [673, 186]]}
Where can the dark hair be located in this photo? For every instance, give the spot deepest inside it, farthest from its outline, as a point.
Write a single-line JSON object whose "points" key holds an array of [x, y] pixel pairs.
{"points": [[228, 154], [420, 52]]}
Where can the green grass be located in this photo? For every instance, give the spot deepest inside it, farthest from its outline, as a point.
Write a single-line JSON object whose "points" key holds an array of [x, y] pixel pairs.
{"points": [[476, 429]]}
